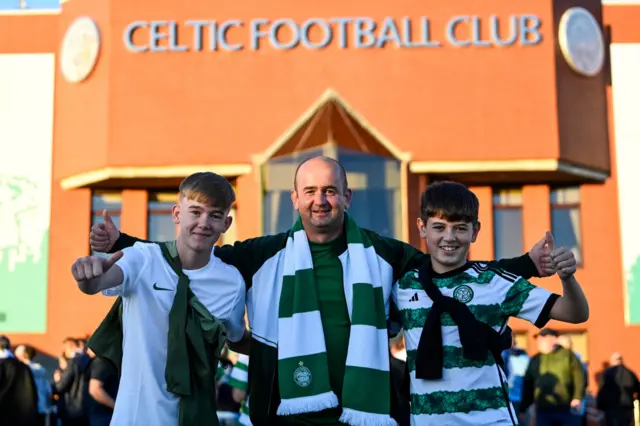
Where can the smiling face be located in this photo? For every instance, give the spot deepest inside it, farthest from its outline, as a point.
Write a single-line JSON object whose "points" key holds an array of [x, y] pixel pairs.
{"points": [[202, 212], [201, 223], [321, 197], [448, 242], [449, 223]]}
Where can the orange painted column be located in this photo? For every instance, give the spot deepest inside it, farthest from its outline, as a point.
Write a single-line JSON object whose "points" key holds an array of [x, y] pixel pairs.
{"points": [[536, 220], [415, 186], [482, 249], [135, 208]]}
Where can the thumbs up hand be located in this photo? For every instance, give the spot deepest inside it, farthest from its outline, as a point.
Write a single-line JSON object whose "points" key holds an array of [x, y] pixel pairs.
{"points": [[564, 262], [104, 235], [540, 254], [88, 268]]}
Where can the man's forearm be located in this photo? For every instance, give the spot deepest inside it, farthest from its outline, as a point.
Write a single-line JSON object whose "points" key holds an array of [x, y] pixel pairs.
{"points": [[242, 346], [97, 392], [522, 266], [125, 241], [572, 307]]}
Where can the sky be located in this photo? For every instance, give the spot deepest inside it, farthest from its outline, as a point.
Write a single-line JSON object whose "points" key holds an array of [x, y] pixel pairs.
{"points": [[31, 4]]}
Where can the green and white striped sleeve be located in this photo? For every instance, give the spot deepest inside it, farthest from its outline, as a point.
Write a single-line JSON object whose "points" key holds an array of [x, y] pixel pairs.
{"points": [[526, 301], [240, 373]]}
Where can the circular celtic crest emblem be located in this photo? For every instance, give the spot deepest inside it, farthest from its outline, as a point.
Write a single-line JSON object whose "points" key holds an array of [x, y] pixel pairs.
{"points": [[463, 293], [581, 41], [302, 376]]}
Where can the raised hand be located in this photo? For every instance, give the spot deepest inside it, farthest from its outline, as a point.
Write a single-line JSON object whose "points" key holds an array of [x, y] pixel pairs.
{"points": [[104, 235], [564, 262], [88, 268], [540, 253]]}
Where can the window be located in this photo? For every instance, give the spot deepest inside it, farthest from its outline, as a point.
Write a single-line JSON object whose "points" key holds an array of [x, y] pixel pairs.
{"points": [[111, 201], [160, 226], [565, 219], [374, 180], [507, 223]]}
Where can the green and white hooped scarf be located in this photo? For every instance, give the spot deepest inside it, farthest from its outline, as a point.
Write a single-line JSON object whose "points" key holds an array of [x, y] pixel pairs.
{"points": [[303, 372]]}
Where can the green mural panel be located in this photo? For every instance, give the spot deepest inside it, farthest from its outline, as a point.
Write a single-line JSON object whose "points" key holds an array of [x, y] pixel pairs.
{"points": [[26, 129], [24, 242], [633, 292]]}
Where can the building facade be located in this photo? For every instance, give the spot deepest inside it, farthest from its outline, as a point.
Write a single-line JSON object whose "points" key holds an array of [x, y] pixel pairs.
{"points": [[108, 105]]}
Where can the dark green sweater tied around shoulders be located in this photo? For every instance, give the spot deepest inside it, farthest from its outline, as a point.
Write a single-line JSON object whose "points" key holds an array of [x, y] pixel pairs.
{"points": [[195, 341]]}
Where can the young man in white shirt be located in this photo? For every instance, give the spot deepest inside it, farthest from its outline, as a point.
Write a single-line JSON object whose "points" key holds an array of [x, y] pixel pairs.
{"points": [[148, 285]]}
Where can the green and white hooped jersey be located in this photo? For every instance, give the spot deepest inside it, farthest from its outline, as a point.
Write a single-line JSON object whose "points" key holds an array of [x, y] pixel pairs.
{"points": [[471, 392]]}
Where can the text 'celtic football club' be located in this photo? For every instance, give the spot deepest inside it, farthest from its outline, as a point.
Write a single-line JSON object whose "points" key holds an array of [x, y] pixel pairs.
{"points": [[316, 33]]}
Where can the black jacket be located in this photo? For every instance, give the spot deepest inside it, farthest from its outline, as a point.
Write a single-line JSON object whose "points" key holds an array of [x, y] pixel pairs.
{"points": [[18, 394], [73, 388], [617, 389]]}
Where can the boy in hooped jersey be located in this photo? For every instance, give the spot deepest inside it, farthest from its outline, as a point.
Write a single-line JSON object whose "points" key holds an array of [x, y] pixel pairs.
{"points": [[453, 312], [157, 285]]}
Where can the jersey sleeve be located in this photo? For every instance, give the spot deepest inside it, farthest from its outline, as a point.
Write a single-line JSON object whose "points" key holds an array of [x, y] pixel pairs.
{"points": [[249, 255], [526, 301], [235, 323], [124, 241], [522, 266], [240, 373], [401, 256], [132, 263]]}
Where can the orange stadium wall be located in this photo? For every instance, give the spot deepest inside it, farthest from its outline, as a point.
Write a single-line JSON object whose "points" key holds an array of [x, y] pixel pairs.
{"points": [[138, 113]]}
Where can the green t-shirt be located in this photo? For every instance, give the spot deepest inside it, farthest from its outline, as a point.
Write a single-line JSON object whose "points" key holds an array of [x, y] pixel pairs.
{"points": [[335, 323]]}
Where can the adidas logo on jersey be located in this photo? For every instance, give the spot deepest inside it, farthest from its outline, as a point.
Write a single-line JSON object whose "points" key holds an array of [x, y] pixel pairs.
{"points": [[414, 298]]}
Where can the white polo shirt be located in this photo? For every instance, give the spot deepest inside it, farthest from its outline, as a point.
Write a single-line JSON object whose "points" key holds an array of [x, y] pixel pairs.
{"points": [[148, 291]]}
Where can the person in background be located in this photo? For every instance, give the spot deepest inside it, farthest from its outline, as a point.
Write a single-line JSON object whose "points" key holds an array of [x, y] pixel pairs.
{"points": [[73, 386], [82, 344], [58, 402], [18, 394], [26, 354], [618, 389], [103, 388], [516, 362], [554, 382], [566, 342]]}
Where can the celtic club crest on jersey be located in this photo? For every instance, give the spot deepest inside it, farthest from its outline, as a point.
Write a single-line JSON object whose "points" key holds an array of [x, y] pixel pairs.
{"points": [[463, 293], [302, 376]]}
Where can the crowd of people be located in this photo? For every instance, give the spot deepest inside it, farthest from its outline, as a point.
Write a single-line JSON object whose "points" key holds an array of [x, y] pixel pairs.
{"points": [[81, 391], [32, 395], [551, 388], [322, 301]]}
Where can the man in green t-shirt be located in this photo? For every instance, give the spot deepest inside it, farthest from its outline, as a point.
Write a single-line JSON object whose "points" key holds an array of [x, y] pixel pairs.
{"points": [[307, 362]]}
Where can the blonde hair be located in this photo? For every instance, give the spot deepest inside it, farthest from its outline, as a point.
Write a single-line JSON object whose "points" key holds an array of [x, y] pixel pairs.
{"points": [[208, 188]]}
